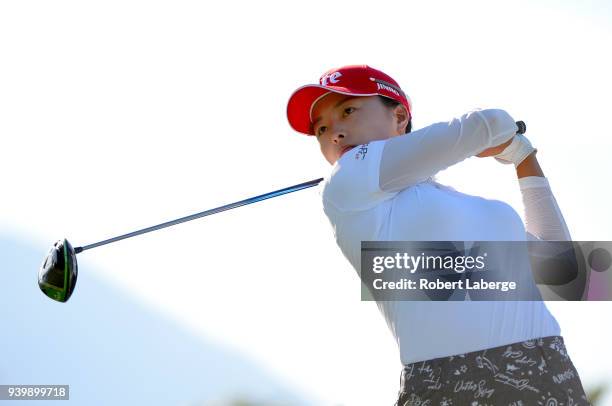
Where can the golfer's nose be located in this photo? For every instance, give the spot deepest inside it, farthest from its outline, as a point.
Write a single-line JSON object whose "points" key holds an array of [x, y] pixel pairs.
{"points": [[337, 135]]}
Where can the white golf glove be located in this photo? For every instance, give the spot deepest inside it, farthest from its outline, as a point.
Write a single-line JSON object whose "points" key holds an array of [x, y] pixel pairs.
{"points": [[516, 152]]}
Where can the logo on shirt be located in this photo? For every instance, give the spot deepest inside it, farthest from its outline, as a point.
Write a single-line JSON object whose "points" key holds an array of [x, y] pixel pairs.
{"points": [[362, 151]]}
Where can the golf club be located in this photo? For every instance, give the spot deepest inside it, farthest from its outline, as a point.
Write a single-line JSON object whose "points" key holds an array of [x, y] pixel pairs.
{"points": [[58, 274]]}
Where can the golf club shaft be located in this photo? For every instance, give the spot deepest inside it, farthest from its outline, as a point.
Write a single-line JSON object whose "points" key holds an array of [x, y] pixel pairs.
{"points": [[230, 206], [521, 130]]}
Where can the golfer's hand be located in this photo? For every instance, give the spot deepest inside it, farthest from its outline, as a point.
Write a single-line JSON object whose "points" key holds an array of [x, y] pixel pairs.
{"points": [[495, 150]]}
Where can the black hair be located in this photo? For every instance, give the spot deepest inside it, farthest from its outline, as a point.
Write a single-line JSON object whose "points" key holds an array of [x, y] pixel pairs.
{"points": [[392, 104]]}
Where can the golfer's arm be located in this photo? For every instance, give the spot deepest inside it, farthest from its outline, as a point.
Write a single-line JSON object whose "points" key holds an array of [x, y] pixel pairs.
{"points": [[553, 261], [412, 158], [543, 217], [529, 167]]}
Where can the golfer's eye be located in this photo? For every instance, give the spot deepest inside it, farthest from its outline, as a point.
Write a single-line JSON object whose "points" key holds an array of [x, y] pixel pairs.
{"points": [[348, 111], [321, 130]]}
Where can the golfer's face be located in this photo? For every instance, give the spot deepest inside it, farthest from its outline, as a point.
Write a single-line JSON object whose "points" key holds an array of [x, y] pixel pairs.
{"points": [[341, 122]]}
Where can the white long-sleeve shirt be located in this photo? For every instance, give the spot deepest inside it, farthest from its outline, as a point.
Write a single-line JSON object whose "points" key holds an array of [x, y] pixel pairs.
{"points": [[543, 218], [384, 191]]}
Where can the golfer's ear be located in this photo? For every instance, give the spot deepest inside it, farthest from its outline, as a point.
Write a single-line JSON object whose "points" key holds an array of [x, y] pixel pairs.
{"points": [[401, 116]]}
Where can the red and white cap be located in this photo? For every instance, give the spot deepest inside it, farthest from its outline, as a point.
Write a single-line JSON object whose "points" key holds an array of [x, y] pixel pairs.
{"points": [[352, 80]]}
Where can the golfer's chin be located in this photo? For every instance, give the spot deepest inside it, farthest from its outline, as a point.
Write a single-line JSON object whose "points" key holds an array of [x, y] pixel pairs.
{"points": [[344, 151], [335, 159], [331, 159]]}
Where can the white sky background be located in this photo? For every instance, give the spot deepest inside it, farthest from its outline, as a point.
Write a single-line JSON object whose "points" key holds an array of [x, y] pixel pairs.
{"points": [[118, 115]]}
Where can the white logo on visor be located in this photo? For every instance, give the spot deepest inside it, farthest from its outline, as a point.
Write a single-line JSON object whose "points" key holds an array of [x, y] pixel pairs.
{"points": [[332, 78]]}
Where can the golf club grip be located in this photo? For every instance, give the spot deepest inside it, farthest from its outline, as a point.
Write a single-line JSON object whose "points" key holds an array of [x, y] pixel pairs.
{"points": [[522, 127]]}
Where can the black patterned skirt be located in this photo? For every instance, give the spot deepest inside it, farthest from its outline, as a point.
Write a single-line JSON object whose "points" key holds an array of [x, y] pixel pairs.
{"points": [[532, 372]]}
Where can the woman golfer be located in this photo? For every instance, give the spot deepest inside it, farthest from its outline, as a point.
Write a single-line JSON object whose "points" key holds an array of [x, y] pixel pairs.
{"points": [[382, 188]]}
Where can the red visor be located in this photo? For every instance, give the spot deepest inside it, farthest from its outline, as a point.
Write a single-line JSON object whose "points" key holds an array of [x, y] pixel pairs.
{"points": [[352, 80]]}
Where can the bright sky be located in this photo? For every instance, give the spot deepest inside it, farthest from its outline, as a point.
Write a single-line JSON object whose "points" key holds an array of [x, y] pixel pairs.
{"points": [[118, 115]]}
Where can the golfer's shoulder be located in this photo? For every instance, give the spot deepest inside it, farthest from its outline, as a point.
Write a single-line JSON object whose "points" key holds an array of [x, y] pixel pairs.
{"points": [[357, 167], [354, 180], [500, 215]]}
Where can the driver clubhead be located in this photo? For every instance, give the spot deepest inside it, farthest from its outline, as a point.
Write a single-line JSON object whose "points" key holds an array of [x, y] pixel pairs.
{"points": [[58, 274]]}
